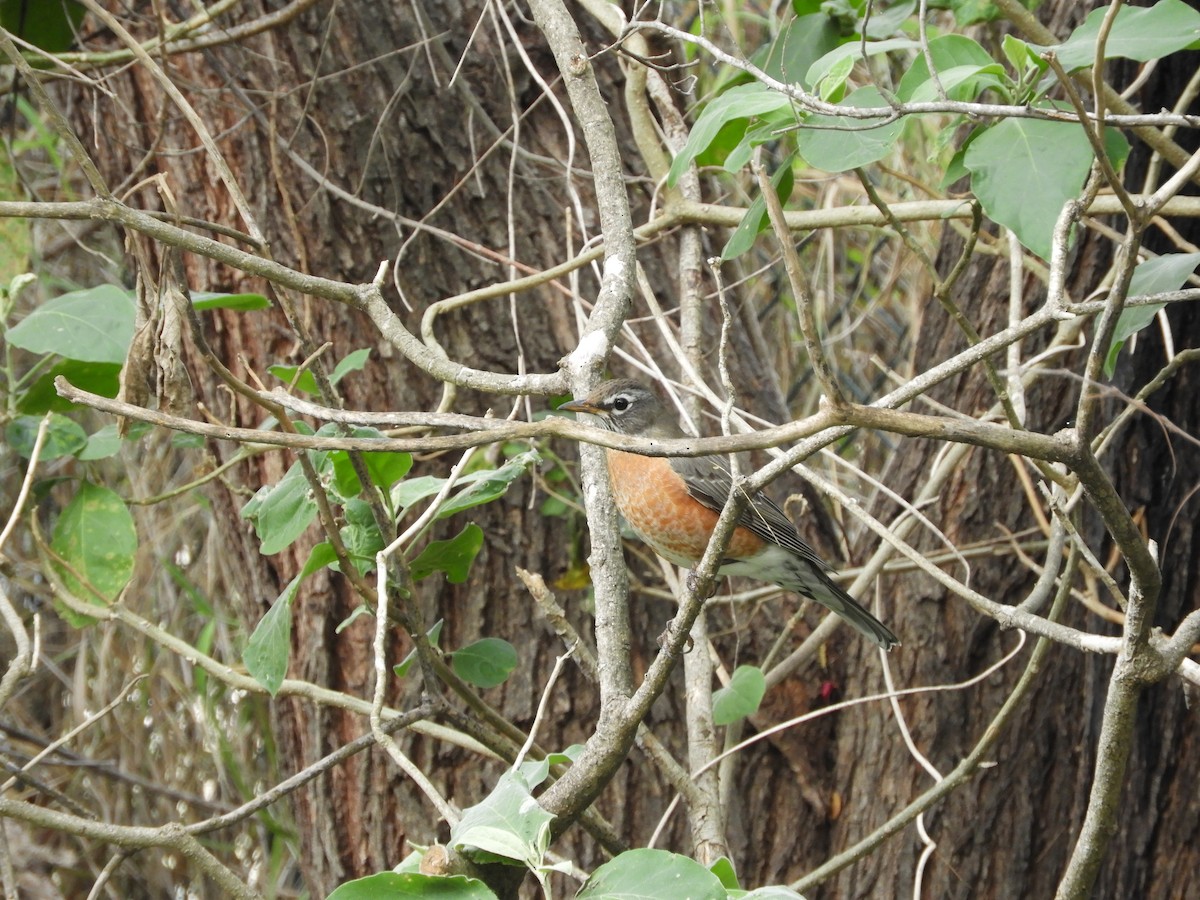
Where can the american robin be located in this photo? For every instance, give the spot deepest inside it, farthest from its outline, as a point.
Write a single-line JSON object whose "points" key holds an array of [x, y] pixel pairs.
{"points": [[673, 505]]}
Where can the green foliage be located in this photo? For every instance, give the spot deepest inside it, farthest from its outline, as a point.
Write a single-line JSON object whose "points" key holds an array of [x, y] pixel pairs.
{"points": [[48, 24], [96, 540], [203, 300], [756, 220], [741, 697], [1050, 160], [305, 381], [93, 325], [398, 885], [1141, 33], [453, 556], [508, 826], [485, 663], [1164, 273], [839, 143], [652, 873], [282, 512]]}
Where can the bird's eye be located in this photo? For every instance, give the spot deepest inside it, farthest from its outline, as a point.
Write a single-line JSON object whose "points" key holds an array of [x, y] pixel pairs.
{"points": [[620, 404]]}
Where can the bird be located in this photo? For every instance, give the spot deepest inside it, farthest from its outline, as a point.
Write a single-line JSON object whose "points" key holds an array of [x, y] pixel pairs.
{"points": [[672, 504]]}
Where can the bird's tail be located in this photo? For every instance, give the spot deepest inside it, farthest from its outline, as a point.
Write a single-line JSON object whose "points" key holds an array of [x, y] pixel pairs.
{"points": [[817, 586]]}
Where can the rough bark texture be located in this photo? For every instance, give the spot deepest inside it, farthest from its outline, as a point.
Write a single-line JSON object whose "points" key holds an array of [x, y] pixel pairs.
{"points": [[398, 136]]}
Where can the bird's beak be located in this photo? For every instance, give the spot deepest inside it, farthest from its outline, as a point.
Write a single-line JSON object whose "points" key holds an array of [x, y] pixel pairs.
{"points": [[580, 406]]}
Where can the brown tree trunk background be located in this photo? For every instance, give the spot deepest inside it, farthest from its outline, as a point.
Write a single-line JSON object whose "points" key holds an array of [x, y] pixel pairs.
{"points": [[363, 92]]}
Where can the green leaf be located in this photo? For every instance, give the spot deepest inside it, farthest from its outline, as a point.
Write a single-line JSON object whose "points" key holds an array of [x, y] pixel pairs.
{"points": [[64, 437], [802, 42], [98, 378], [403, 885], [267, 651], [853, 49], [307, 383], [964, 69], [741, 697], [756, 219], [1141, 33], [741, 102], [48, 24], [1021, 55], [360, 535], [485, 663], [96, 537], [723, 868], [402, 668], [102, 444], [772, 892], [508, 825], [489, 484], [832, 148], [639, 874], [1049, 160], [203, 300], [281, 512], [454, 556], [384, 468], [1154, 276], [886, 21], [95, 325]]}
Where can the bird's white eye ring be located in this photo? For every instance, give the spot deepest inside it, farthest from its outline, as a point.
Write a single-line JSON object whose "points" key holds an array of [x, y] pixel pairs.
{"points": [[620, 404]]}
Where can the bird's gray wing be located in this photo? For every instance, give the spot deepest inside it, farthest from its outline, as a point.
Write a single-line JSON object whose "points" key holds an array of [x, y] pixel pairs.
{"points": [[708, 480]]}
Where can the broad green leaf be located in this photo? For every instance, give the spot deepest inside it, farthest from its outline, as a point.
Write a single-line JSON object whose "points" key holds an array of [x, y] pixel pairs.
{"points": [[972, 12], [641, 874], [1141, 33], [1154, 276], [756, 219], [102, 444], [360, 535], [203, 300], [281, 512], [741, 697], [1021, 55], [832, 88], [48, 24], [1049, 160], [723, 868], [854, 49], [766, 130], [98, 378], [64, 437], [741, 102], [963, 66], [94, 325], [454, 556], [508, 825], [384, 468], [267, 651], [307, 383], [403, 885], [96, 537], [834, 149], [886, 19], [799, 44], [402, 668], [485, 663], [489, 484], [772, 892]]}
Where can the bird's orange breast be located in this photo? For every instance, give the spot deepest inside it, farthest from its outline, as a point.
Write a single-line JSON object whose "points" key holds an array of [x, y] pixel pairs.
{"points": [[654, 500]]}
